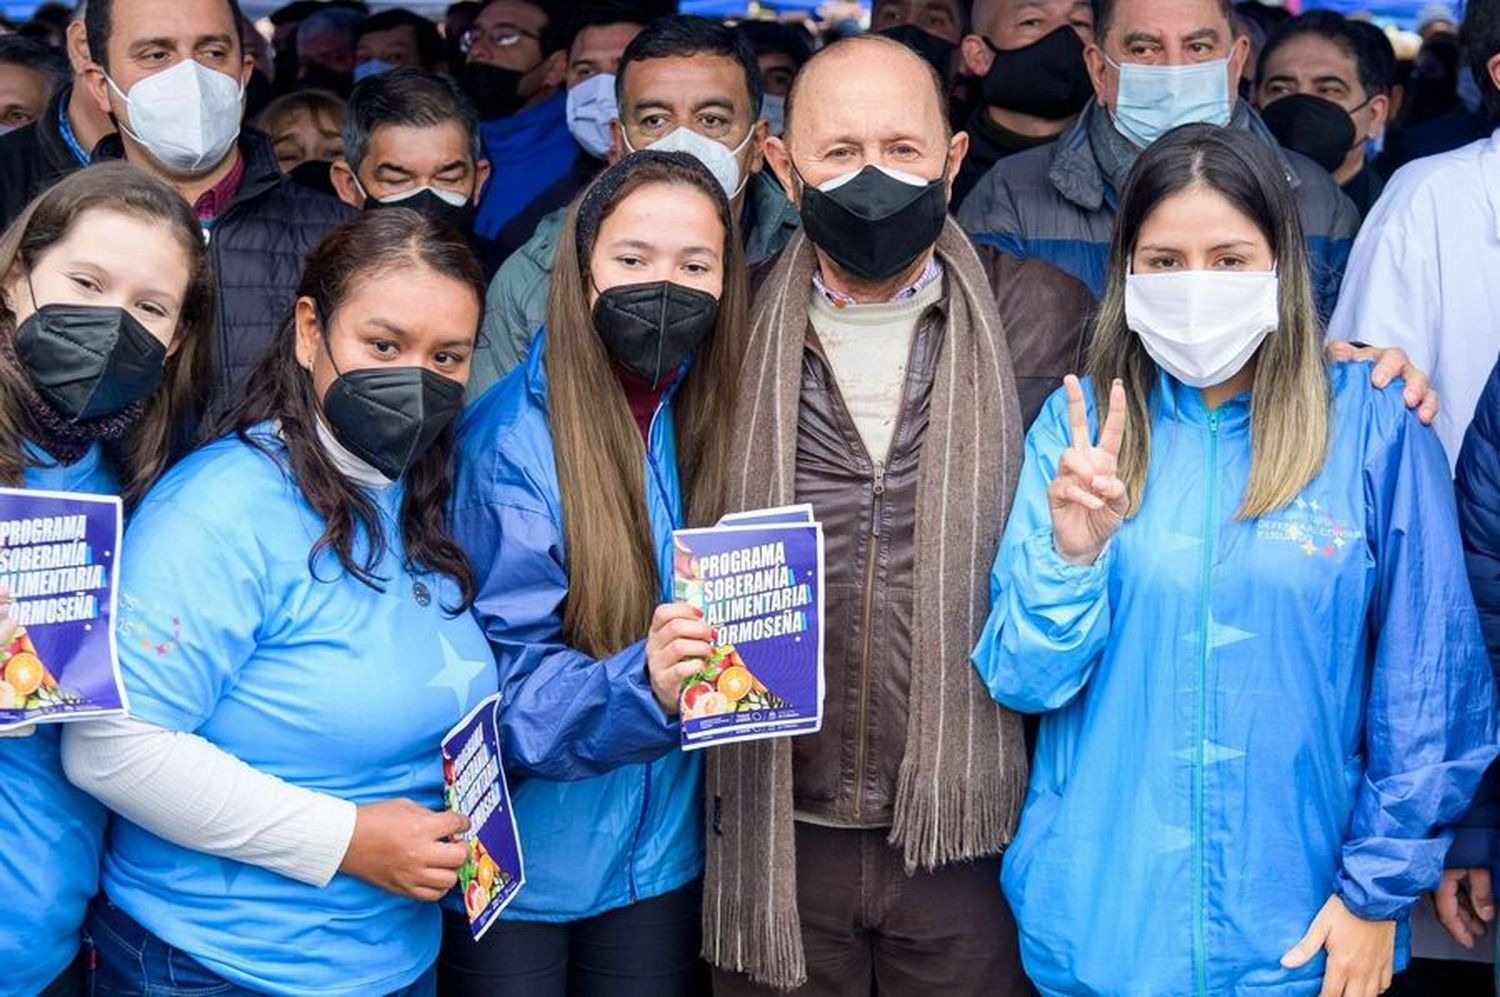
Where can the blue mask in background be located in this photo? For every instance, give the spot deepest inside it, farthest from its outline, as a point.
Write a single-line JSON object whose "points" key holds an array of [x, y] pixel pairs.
{"points": [[1155, 99], [371, 67]]}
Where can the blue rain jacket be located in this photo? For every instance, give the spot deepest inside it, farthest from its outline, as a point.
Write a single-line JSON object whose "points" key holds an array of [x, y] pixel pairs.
{"points": [[1241, 717], [610, 810]]}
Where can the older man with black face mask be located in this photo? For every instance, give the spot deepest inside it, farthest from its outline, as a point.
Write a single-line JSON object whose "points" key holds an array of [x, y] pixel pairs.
{"points": [[880, 387]]}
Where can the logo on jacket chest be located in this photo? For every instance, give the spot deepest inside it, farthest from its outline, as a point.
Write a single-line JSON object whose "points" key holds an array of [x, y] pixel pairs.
{"points": [[1309, 525]]}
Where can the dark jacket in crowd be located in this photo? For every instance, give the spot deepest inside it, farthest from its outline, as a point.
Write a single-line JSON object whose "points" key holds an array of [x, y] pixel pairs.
{"points": [[1477, 842], [1057, 203], [1364, 189], [35, 157], [258, 246], [519, 230], [988, 144], [869, 524]]}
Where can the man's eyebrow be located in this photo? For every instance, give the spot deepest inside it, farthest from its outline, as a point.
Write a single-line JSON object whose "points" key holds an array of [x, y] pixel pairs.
{"points": [[1145, 37], [1202, 35]]}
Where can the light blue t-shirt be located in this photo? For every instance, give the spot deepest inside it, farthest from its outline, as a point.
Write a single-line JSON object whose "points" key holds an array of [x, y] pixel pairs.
{"points": [[321, 681], [53, 833]]}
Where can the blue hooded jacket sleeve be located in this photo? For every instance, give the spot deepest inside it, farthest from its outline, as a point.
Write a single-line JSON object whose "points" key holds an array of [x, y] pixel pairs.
{"points": [[1429, 718], [564, 715], [1050, 619], [1479, 520]]}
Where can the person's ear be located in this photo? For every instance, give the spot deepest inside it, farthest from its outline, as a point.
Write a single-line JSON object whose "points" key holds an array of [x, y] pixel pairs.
{"points": [[1101, 74], [10, 290], [1239, 54], [309, 333], [616, 142], [481, 178], [342, 176], [1380, 113], [78, 47], [97, 87], [759, 133], [976, 55], [780, 159], [556, 72], [1494, 67], [958, 149]]}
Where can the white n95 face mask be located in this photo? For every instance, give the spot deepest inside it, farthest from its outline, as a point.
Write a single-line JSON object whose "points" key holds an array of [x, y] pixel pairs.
{"points": [[723, 163], [591, 107], [187, 117], [1202, 326]]}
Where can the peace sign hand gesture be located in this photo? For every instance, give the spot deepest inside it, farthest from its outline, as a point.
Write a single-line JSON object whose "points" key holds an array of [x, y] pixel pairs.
{"points": [[1087, 500]]}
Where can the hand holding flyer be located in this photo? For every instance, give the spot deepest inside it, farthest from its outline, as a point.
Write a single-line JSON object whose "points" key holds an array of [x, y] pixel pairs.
{"points": [[475, 787], [59, 564], [758, 580]]}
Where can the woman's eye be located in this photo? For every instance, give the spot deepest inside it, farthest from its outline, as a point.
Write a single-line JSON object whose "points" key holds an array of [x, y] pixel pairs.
{"points": [[696, 269], [630, 262], [1161, 262], [448, 359], [87, 283], [152, 309], [1230, 263], [384, 347]]}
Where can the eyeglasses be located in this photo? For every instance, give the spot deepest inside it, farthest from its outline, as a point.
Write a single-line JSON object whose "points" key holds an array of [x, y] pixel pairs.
{"points": [[497, 35]]}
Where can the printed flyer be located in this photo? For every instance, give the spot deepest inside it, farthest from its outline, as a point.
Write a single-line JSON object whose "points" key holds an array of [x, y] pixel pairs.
{"points": [[59, 562], [474, 782], [757, 577]]}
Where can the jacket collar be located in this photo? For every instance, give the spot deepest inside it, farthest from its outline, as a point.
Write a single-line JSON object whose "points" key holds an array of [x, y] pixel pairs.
{"points": [[536, 373], [1092, 159], [515, 135], [261, 172], [769, 218], [55, 148], [1181, 403]]}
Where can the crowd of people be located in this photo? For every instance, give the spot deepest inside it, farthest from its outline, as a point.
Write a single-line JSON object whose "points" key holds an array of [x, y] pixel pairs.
{"points": [[1137, 357]]}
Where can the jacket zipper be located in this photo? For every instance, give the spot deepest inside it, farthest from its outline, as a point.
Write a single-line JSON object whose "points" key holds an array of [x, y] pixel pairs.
{"points": [[1200, 750], [872, 554]]}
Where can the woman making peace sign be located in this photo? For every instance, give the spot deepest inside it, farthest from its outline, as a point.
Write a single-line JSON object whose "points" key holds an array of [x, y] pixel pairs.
{"points": [[1242, 608]]}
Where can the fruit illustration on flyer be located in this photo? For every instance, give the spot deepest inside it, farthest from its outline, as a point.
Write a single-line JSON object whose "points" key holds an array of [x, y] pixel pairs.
{"points": [[757, 580], [59, 568], [474, 785]]}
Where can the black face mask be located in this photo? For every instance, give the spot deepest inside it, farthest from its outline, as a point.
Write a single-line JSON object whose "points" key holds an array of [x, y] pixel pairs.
{"points": [[88, 361], [389, 416], [937, 51], [874, 226], [1046, 79], [459, 217], [650, 329], [494, 91], [1319, 129]]}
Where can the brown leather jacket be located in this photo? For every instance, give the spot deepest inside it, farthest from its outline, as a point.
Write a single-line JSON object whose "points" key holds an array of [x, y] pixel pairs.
{"points": [[845, 774]]}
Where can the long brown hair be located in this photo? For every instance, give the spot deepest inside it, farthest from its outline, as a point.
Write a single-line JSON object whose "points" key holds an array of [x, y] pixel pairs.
{"points": [[613, 576], [48, 220], [1290, 396], [370, 246]]}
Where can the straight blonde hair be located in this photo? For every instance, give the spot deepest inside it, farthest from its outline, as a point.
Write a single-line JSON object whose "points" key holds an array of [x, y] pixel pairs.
{"points": [[1290, 397]]}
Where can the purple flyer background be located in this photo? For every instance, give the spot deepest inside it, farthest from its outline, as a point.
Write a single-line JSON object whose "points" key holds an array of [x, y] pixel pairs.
{"points": [[498, 832], [787, 665], [81, 653]]}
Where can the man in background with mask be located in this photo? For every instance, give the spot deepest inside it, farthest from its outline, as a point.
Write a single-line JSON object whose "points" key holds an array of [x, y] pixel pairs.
{"points": [[395, 38], [599, 39], [30, 73], [1324, 91], [34, 156], [325, 49], [1028, 56], [411, 140], [1155, 64], [782, 50], [172, 74], [517, 54], [685, 84], [885, 386]]}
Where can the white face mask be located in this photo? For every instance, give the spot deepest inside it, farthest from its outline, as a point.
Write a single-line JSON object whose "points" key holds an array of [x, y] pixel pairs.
{"points": [[1202, 326], [723, 163], [187, 117], [591, 107], [773, 112]]}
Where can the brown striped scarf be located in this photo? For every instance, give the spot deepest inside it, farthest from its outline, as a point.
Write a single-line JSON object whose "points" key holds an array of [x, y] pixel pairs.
{"points": [[963, 776]]}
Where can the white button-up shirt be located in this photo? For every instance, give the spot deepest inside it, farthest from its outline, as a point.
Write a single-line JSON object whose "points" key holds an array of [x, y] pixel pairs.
{"points": [[1424, 275]]}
